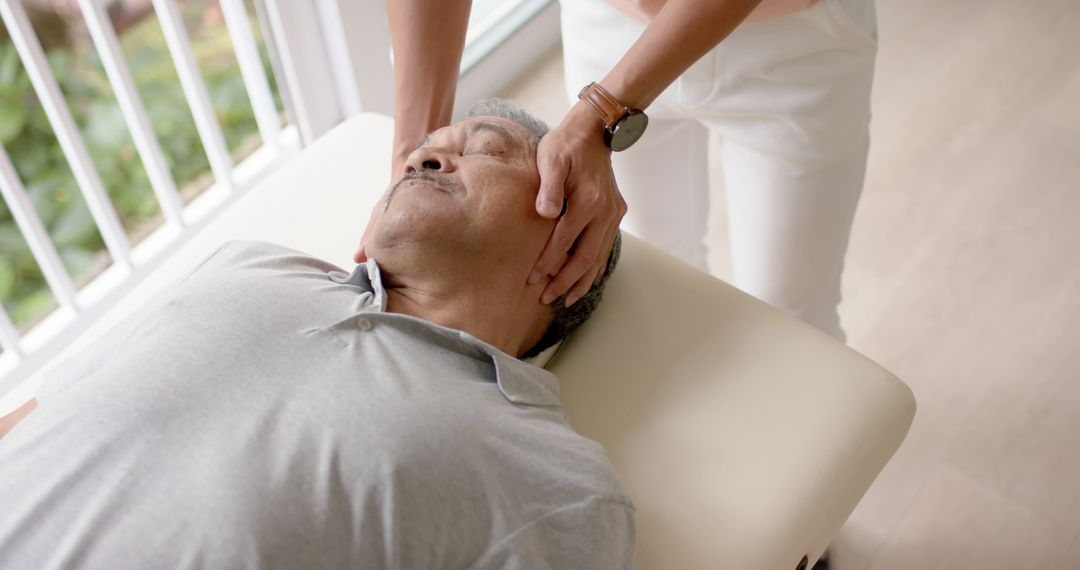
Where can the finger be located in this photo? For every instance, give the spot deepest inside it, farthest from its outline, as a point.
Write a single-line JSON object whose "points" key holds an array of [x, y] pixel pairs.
{"points": [[376, 212], [613, 232], [596, 273], [566, 232], [580, 263], [601, 264], [549, 200], [581, 288], [361, 254]]}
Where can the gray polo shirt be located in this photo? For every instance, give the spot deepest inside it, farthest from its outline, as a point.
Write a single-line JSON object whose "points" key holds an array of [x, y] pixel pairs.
{"points": [[266, 412]]}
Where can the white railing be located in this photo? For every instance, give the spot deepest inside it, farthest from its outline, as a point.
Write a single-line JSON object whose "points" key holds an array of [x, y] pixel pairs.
{"points": [[48, 93], [79, 308], [247, 54], [191, 82], [331, 60], [131, 106]]}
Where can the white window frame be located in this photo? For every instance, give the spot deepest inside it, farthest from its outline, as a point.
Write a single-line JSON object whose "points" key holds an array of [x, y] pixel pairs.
{"points": [[346, 44]]}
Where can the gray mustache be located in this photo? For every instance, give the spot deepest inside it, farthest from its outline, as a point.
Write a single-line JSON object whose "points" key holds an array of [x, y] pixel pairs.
{"points": [[440, 181]]}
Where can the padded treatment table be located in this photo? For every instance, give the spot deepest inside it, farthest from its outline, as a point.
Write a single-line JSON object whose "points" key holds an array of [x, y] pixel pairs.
{"points": [[744, 436]]}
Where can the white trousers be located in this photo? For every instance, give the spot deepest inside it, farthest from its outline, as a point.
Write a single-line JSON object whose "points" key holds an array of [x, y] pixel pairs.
{"points": [[790, 101]]}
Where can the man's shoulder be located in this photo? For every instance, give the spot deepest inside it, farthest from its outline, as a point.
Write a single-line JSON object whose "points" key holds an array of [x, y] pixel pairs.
{"points": [[252, 247], [257, 254]]}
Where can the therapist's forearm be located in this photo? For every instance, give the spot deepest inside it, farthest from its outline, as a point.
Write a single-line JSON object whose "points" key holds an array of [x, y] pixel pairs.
{"points": [[679, 34], [428, 39]]}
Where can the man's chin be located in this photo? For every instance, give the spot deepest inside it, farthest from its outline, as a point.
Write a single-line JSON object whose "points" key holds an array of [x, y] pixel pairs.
{"points": [[400, 225]]}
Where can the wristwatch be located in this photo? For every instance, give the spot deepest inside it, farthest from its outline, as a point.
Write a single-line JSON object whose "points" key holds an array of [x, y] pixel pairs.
{"points": [[623, 126]]}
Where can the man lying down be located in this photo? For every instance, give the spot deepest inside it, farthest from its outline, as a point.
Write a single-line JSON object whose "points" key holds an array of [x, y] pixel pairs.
{"points": [[273, 411]]}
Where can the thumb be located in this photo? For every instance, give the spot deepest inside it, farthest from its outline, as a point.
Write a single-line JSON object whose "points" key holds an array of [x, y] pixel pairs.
{"points": [[549, 201], [361, 254]]}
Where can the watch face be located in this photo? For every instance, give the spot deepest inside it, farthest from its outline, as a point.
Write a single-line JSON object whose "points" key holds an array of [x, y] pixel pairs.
{"points": [[628, 130]]}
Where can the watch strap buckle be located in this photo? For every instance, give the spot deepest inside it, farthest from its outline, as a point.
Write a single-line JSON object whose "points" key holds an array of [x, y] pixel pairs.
{"points": [[607, 106]]}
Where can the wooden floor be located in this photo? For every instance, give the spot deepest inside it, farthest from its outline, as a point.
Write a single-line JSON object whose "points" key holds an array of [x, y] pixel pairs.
{"points": [[963, 278]]}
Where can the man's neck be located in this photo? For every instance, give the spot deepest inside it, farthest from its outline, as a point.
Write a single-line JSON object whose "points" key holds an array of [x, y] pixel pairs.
{"points": [[487, 305]]}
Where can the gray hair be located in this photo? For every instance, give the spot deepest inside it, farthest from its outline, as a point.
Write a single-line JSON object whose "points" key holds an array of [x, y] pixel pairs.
{"points": [[566, 319], [495, 107]]}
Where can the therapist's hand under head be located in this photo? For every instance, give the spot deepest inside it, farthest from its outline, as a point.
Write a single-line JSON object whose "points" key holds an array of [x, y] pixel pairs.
{"points": [[397, 164], [575, 164]]}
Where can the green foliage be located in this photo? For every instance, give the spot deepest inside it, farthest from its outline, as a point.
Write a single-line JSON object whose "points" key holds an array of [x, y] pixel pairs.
{"points": [[28, 137]]}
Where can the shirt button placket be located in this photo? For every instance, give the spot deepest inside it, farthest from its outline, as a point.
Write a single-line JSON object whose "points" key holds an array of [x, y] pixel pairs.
{"points": [[363, 325]]}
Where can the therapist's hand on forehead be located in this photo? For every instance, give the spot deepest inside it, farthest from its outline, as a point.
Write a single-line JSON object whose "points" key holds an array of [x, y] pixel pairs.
{"points": [[574, 159]]}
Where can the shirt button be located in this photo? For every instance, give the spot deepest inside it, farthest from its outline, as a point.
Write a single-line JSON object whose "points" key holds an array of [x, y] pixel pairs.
{"points": [[363, 324]]}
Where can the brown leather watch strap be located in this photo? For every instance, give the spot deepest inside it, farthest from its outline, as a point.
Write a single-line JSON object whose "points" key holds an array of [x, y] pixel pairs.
{"points": [[609, 108]]}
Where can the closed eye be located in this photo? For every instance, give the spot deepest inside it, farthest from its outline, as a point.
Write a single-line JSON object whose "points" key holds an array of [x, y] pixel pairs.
{"points": [[485, 151]]}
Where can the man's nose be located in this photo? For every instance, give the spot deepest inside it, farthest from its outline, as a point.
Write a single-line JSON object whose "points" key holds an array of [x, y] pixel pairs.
{"points": [[429, 159]]}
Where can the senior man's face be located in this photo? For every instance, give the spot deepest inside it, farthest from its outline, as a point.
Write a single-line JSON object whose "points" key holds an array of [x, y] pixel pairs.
{"points": [[470, 186]]}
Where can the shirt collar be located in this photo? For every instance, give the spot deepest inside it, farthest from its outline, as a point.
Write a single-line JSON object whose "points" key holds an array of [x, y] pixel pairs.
{"points": [[368, 277], [520, 382]]}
